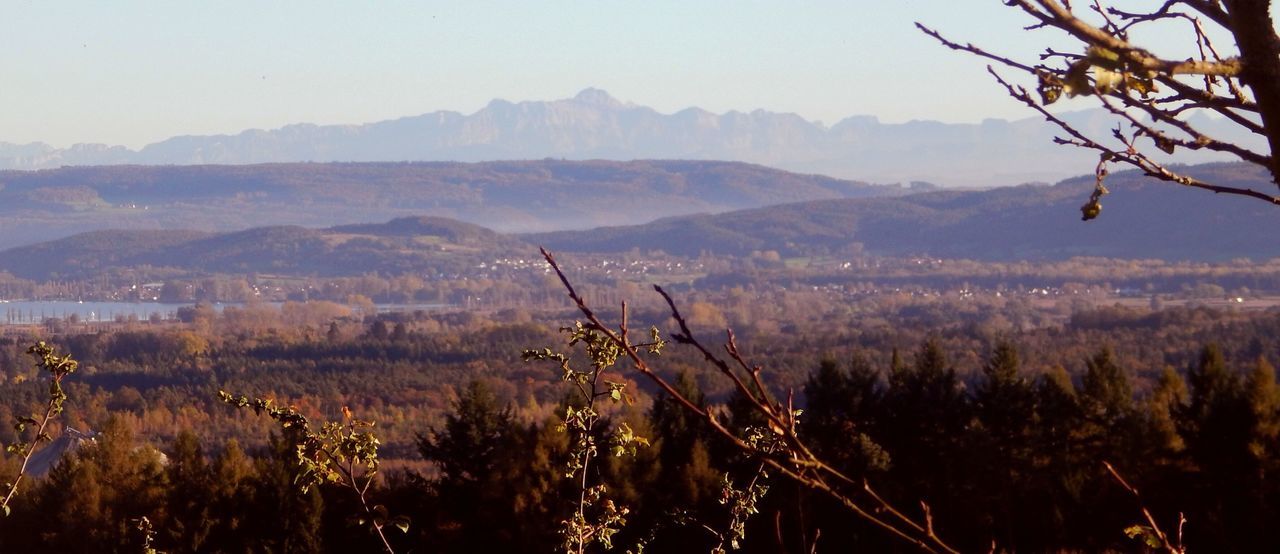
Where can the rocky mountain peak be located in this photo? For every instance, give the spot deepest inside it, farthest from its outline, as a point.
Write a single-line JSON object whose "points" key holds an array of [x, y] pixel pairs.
{"points": [[596, 97]]}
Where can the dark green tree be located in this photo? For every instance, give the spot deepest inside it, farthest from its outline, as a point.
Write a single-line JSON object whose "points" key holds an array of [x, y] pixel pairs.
{"points": [[681, 440], [281, 518], [1215, 426], [468, 453], [189, 503], [233, 500], [924, 432], [1002, 441], [841, 409]]}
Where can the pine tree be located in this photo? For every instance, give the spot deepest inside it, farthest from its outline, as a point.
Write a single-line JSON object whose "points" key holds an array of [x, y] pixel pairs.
{"points": [[1004, 406], [841, 409], [1004, 402], [282, 518], [1058, 470], [189, 504], [925, 429], [1168, 398], [1263, 397], [1214, 424], [1106, 394], [232, 500], [467, 454], [473, 438], [685, 479]]}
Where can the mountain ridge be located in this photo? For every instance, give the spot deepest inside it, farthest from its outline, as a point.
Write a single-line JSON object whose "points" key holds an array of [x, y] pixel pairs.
{"points": [[595, 125]]}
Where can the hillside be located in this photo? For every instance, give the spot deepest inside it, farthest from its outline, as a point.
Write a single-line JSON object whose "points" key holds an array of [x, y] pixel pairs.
{"points": [[1142, 218], [508, 196], [421, 245]]}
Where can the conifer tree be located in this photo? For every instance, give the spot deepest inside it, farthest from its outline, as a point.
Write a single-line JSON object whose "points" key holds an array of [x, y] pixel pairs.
{"points": [[841, 413], [282, 519], [1214, 422], [686, 477], [468, 454], [232, 500], [1004, 406], [1263, 397], [925, 435], [1167, 399], [189, 504]]}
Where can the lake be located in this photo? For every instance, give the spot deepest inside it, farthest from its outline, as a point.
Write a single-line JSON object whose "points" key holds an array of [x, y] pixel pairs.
{"points": [[22, 312]]}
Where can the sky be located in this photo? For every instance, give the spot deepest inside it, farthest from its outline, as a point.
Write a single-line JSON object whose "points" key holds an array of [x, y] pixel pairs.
{"points": [[133, 72]]}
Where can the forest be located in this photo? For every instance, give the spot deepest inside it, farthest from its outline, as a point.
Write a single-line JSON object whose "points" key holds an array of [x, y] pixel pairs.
{"points": [[1000, 430]]}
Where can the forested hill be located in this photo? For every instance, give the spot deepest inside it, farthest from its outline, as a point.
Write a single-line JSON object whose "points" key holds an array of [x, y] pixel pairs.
{"points": [[1142, 218], [419, 245], [508, 196]]}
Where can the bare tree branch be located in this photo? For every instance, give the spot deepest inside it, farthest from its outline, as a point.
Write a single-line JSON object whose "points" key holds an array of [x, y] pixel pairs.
{"points": [[1129, 156], [795, 460], [1242, 85]]}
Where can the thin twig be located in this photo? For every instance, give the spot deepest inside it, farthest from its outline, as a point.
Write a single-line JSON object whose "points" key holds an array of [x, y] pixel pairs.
{"points": [[799, 464]]}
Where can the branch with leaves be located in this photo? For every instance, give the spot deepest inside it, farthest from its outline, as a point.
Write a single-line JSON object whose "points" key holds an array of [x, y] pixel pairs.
{"points": [[341, 453], [777, 445], [596, 518], [1151, 96], [58, 367]]}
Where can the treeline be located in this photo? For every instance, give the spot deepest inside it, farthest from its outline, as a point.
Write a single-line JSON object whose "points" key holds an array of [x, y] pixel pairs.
{"points": [[1005, 457], [405, 369], [336, 264]]}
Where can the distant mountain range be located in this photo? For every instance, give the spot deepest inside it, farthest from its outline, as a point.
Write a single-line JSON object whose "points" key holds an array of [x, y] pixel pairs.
{"points": [[508, 196], [594, 125], [1142, 218]]}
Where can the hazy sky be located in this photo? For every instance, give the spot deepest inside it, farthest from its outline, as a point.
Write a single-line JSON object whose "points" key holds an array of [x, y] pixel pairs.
{"points": [[136, 72]]}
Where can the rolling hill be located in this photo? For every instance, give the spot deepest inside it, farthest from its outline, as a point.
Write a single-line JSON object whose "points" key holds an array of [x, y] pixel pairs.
{"points": [[1142, 218], [508, 196], [421, 245]]}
